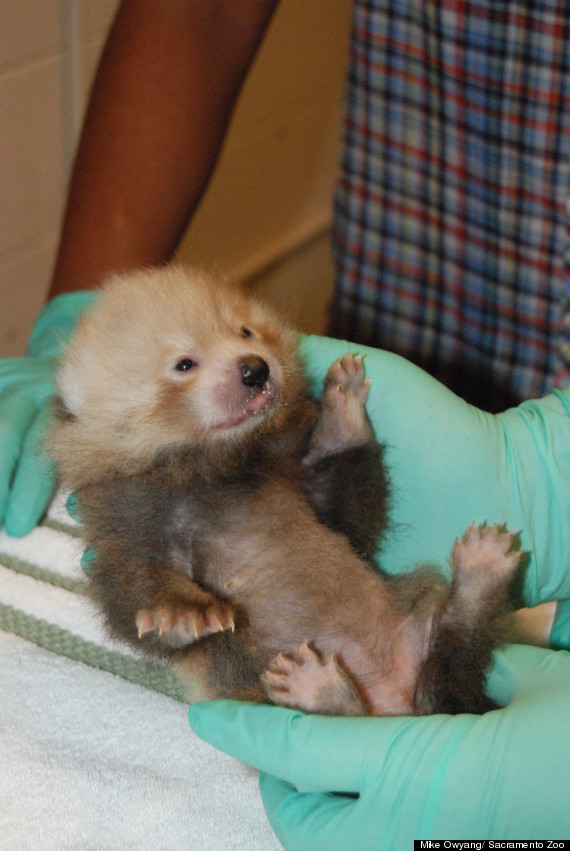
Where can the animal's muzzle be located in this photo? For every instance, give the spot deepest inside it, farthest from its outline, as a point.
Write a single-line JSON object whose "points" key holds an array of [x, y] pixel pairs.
{"points": [[254, 371]]}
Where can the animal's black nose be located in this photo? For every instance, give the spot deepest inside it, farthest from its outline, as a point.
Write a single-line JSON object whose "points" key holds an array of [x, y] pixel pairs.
{"points": [[254, 371]]}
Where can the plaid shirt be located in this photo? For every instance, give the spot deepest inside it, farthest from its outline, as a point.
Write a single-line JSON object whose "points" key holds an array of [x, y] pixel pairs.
{"points": [[451, 212]]}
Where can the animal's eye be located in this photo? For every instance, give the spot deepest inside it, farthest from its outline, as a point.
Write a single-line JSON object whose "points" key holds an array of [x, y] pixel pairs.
{"points": [[185, 364], [246, 332]]}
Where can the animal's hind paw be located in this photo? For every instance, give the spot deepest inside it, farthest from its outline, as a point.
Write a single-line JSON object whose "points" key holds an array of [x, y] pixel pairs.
{"points": [[484, 562], [180, 625], [485, 549], [307, 681]]}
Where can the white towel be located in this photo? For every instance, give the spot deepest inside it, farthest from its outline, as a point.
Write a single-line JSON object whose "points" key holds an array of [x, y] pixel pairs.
{"points": [[89, 760]]}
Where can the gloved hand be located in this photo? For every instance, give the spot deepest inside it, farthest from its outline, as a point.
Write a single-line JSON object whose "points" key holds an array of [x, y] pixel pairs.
{"points": [[26, 389], [504, 774]]}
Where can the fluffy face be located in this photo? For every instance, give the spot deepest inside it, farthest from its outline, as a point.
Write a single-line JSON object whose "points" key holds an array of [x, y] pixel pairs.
{"points": [[170, 358]]}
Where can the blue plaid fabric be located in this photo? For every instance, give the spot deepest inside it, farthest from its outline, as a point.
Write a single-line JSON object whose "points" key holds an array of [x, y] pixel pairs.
{"points": [[452, 210]]}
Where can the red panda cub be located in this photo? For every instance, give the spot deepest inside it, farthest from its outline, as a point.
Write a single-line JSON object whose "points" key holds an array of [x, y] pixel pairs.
{"points": [[234, 518]]}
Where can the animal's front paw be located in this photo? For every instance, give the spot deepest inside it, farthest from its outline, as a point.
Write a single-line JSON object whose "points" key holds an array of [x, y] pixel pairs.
{"points": [[178, 625], [346, 379], [343, 422]]}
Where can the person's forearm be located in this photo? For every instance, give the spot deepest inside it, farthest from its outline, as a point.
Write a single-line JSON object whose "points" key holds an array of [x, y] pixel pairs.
{"points": [[168, 80], [533, 626]]}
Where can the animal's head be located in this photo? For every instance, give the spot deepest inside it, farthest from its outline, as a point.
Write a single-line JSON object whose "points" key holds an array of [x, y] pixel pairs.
{"points": [[170, 358]]}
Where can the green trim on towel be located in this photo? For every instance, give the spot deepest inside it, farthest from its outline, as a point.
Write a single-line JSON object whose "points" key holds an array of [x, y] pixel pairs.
{"points": [[73, 530], [42, 574], [57, 639], [64, 643]]}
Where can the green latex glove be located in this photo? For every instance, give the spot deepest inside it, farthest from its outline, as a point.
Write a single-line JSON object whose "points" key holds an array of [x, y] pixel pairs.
{"points": [[504, 774], [26, 389]]}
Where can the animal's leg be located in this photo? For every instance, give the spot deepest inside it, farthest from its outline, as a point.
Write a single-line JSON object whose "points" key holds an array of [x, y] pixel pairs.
{"points": [[308, 682], [483, 563], [343, 422], [346, 478], [228, 666], [471, 626]]}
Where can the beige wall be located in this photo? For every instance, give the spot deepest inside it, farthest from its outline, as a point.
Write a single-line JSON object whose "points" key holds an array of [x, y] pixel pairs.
{"points": [[266, 215]]}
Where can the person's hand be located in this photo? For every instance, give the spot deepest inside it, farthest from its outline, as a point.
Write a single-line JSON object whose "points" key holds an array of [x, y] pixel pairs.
{"points": [[501, 775], [380, 783], [26, 390]]}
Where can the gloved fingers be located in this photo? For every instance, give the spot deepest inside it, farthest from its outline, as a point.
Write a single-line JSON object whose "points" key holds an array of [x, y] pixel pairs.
{"points": [[73, 507], [16, 414], [288, 744], [26, 386], [34, 480], [303, 820], [87, 560]]}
